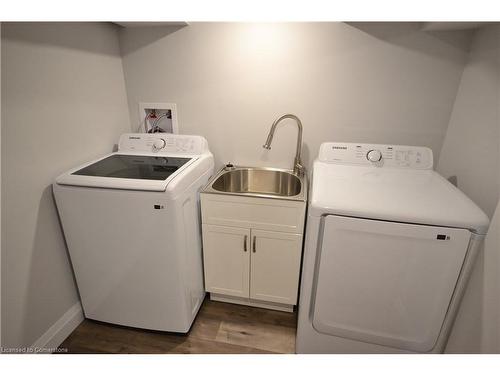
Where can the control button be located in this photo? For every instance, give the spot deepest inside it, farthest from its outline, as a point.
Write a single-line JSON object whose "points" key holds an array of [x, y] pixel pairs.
{"points": [[159, 143], [374, 156]]}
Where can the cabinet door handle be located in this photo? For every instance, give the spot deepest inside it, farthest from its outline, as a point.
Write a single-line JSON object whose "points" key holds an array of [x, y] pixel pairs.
{"points": [[253, 244], [245, 243]]}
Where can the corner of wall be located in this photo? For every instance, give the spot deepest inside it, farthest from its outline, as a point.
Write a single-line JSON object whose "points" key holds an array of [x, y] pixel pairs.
{"points": [[60, 330]]}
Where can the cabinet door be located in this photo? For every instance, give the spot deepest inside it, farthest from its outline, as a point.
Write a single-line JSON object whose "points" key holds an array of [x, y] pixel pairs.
{"points": [[226, 255], [275, 266]]}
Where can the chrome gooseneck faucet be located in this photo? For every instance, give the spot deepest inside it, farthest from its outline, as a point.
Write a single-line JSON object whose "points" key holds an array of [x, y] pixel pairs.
{"points": [[298, 168]]}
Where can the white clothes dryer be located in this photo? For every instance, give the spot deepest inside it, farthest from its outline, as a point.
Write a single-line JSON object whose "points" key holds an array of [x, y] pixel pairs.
{"points": [[389, 248]]}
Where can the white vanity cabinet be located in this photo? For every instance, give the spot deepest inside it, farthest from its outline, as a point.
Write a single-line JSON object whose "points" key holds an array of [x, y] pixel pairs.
{"points": [[252, 249]]}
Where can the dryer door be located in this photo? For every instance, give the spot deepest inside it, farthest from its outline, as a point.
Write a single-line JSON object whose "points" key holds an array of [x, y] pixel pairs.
{"points": [[386, 283]]}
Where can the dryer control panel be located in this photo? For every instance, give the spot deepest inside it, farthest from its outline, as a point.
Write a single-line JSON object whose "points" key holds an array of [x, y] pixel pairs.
{"points": [[163, 143], [395, 156]]}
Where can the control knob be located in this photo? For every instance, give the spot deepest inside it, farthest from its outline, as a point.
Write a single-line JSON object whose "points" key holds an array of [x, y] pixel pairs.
{"points": [[374, 156], [159, 143]]}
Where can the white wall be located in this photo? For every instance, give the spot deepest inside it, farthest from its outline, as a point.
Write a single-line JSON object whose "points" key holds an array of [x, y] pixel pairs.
{"points": [[471, 152], [388, 83], [471, 147], [63, 103]]}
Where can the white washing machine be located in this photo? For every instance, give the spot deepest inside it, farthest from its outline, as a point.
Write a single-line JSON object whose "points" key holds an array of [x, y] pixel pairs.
{"points": [[131, 222], [389, 248]]}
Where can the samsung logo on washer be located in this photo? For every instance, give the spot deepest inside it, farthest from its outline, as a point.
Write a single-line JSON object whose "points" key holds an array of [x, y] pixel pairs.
{"points": [[132, 137], [339, 147]]}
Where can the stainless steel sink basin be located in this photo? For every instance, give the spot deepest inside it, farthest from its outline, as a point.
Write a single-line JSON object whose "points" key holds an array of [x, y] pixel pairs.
{"points": [[261, 182]]}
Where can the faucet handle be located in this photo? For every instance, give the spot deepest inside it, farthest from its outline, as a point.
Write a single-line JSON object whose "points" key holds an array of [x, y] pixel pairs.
{"points": [[229, 166]]}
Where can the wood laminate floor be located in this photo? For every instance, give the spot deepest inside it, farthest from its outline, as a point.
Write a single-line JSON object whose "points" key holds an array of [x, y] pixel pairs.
{"points": [[219, 328]]}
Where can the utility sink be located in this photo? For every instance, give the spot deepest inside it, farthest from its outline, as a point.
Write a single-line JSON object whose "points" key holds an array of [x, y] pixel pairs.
{"points": [[261, 182], [253, 230]]}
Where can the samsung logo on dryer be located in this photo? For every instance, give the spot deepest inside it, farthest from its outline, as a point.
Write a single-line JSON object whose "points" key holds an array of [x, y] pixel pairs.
{"points": [[134, 137], [339, 147]]}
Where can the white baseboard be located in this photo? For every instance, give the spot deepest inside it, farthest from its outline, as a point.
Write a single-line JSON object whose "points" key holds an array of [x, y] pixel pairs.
{"points": [[60, 330], [251, 302]]}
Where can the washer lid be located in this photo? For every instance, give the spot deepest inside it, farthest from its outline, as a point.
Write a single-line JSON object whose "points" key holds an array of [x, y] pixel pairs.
{"points": [[143, 162], [128, 171], [136, 167], [406, 195]]}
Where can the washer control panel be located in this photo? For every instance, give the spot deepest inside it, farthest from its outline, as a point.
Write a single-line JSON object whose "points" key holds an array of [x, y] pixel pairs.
{"points": [[412, 157], [163, 143]]}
